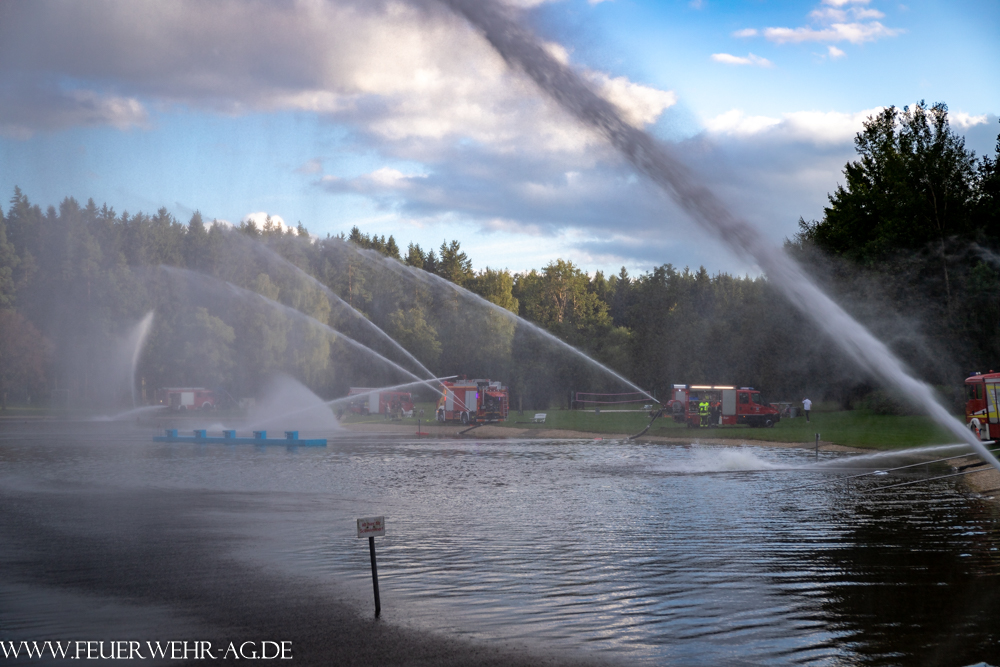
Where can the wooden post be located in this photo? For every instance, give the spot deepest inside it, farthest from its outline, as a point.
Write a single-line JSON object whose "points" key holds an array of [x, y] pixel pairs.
{"points": [[378, 603]]}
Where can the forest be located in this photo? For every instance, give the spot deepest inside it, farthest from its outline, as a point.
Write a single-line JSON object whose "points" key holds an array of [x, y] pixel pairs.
{"points": [[909, 243]]}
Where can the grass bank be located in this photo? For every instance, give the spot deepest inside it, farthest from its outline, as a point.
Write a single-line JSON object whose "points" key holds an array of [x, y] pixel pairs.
{"points": [[851, 428]]}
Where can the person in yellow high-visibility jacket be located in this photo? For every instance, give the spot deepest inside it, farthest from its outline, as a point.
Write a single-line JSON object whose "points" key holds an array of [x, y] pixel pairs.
{"points": [[703, 409]]}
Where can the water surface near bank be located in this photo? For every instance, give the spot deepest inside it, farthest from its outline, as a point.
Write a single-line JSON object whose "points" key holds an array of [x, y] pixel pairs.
{"points": [[620, 552]]}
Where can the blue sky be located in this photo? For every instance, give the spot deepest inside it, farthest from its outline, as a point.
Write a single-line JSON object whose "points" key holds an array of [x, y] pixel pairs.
{"points": [[398, 118]]}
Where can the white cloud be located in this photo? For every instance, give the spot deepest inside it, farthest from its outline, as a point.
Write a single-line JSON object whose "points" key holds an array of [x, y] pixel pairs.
{"points": [[260, 219], [965, 120], [832, 21], [25, 110], [856, 33], [750, 59], [382, 180], [736, 122], [834, 52], [414, 75], [817, 127], [640, 105]]}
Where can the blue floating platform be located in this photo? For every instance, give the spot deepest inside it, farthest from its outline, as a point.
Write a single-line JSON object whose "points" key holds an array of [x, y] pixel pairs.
{"points": [[201, 437]]}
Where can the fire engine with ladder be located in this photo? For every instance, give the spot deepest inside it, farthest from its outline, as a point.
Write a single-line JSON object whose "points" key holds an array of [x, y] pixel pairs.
{"points": [[472, 402]]}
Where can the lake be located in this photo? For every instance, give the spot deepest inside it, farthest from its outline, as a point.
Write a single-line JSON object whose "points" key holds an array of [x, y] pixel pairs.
{"points": [[621, 552]]}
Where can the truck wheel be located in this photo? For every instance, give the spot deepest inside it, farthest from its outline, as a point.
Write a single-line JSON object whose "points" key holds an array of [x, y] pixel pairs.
{"points": [[768, 423]]}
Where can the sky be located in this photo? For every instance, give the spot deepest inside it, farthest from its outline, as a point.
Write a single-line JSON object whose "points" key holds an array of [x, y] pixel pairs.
{"points": [[398, 118]]}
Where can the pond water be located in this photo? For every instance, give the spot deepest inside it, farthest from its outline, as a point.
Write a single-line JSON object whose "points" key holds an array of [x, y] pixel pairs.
{"points": [[631, 552]]}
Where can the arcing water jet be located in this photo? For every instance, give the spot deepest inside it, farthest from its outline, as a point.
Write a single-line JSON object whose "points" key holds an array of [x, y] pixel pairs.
{"points": [[137, 340], [344, 306], [522, 50], [218, 285], [441, 283]]}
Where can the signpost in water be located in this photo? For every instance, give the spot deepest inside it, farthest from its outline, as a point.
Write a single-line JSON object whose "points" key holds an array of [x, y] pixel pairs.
{"points": [[371, 528]]}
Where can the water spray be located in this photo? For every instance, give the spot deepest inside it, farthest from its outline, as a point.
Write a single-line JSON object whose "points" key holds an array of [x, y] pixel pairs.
{"points": [[429, 383], [288, 310], [438, 281], [344, 305], [141, 334], [521, 49]]}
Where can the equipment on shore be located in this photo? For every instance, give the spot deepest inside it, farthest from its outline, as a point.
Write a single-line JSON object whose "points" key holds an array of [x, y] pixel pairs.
{"points": [[187, 398], [380, 402], [727, 406], [473, 402]]}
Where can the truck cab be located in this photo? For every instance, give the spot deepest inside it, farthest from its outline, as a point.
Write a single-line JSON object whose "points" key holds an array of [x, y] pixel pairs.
{"points": [[982, 391]]}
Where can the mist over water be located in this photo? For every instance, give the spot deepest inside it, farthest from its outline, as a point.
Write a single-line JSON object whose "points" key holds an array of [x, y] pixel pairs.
{"points": [[289, 405], [521, 49]]}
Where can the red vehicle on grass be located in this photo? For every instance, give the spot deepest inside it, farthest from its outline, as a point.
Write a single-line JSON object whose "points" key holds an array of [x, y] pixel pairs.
{"points": [[472, 402], [728, 406], [187, 398], [375, 402], [982, 391]]}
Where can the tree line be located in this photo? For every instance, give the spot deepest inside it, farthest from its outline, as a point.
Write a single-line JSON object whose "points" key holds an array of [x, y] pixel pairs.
{"points": [[908, 243]]}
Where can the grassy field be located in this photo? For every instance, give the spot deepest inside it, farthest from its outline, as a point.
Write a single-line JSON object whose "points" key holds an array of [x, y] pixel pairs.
{"points": [[854, 428]]}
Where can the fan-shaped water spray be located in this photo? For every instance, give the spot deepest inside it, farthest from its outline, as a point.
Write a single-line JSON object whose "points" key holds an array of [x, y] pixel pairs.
{"points": [[438, 283], [342, 305], [521, 49], [209, 283]]}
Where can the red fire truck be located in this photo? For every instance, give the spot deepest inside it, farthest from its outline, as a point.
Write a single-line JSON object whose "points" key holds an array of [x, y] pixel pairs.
{"points": [[472, 401], [186, 398], [982, 391], [375, 402], [728, 406]]}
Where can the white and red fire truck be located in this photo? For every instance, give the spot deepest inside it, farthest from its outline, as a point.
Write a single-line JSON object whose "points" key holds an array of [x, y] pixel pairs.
{"points": [[982, 391], [472, 401], [186, 398], [728, 406], [375, 402]]}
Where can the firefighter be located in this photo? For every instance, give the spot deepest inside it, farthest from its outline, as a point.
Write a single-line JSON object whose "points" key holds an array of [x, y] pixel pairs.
{"points": [[703, 411]]}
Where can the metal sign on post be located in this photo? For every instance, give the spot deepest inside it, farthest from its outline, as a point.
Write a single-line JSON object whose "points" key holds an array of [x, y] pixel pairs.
{"points": [[371, 528]]}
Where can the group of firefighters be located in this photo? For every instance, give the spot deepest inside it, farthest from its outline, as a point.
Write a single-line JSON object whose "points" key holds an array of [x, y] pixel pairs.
{"points": [[709, 412]]}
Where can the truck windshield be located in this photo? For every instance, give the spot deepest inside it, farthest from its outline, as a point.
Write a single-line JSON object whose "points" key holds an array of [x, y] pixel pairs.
{"points": [[756, 398], [973, 392]]}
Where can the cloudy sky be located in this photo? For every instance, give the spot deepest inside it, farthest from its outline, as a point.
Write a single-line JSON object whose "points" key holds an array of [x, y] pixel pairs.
{"points": [[398, 118]]}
